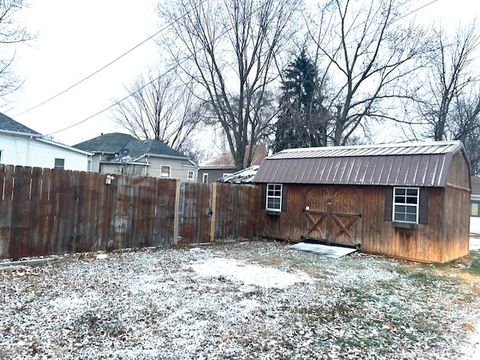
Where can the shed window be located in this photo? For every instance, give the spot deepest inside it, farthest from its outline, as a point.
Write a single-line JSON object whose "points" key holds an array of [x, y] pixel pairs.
{"points": [[274, 197], [59, 163], [405, 205], [190, 175], [165, 171], [475, 208], [205, 178]]}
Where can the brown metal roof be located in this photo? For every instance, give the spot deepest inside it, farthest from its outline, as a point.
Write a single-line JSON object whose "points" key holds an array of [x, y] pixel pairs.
{"points": [[408, 164]]}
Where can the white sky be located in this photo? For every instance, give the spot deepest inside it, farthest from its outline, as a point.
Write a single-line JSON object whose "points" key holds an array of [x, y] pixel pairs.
{"points": [[75, 38]]}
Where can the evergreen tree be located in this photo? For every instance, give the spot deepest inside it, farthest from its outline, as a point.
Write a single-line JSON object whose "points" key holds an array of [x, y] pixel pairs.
{"points": [[302, 119]]}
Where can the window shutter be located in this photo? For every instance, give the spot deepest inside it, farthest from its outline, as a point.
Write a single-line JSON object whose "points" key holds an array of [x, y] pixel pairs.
{"points": [[263, 196], [284, 197], [423, 206], [388, 203]]}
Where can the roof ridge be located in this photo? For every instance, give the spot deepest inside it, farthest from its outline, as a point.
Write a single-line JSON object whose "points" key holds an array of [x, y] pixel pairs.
{"points": [[373, 146]]}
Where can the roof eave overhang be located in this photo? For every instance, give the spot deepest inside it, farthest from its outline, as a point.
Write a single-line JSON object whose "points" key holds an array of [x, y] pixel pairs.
{"points": [[9, 132], [71, 148], [163, 156]]}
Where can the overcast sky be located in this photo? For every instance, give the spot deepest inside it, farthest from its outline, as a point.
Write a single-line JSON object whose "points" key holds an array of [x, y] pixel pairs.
{"points": [[75, 38]]}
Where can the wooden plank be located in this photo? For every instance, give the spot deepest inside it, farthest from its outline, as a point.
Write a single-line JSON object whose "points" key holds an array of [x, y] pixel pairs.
{"points": [[20, 236], [176, 212], [34, 212], [6, 185], [213, 210]]}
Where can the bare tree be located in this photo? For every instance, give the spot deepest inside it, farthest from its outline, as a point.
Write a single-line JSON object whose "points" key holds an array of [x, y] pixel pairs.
{"points": [[160, 108], [449, 99], [368, 52], [448, 103], [10, 34], [229, 48]]}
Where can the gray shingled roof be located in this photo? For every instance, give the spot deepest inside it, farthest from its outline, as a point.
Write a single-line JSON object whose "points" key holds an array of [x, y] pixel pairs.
{"points": [[409, 164], [106, 143], [127, 145], [137, 148], [8, 124]]}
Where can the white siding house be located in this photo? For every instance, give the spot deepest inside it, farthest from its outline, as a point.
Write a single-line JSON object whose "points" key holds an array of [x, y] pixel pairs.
{"points": [[20, 145]]}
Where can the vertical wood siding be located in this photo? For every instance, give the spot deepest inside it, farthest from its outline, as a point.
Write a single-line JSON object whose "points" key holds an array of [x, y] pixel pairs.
{"points": [[444, 237]]}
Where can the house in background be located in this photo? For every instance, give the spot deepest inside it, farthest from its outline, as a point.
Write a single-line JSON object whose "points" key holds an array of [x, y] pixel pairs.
{"points": [[475, 205], [408, 200], [20, 145], [224, 165], [117, 153]]}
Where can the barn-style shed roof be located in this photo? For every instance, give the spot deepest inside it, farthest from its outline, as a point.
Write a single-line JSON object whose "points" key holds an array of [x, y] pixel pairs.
{"points": [[407, 164]]}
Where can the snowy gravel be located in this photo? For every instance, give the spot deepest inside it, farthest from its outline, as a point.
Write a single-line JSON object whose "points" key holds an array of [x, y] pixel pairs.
{"points": [[238, 301]]}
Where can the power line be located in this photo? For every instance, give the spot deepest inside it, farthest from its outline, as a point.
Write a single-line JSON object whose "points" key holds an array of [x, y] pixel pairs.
{"points": [[115, 103], [175, 66], [418, 9], [144, 86], [107, 64]]}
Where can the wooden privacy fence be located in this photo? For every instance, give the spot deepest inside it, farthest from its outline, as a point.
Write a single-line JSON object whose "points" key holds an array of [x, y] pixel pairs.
{"points": [[45, 212]]}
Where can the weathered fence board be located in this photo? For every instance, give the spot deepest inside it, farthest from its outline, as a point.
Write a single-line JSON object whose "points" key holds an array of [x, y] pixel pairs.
{"points": [[237, 211], [194, 213], [44, 212]]}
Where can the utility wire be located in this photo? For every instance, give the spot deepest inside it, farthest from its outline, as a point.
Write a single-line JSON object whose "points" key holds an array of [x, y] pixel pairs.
{"points": [[108, 64], [174, 67], [147, 84]]}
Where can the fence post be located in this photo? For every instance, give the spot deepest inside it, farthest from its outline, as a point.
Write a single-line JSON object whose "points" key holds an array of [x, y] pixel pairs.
{"points": [[177, 208], [213, 208]]}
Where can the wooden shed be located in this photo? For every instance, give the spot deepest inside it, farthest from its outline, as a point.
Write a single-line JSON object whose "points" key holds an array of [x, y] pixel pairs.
{"points": [[407, 200]]}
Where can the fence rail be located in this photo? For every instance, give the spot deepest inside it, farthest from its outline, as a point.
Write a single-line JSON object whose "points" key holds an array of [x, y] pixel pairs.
{"points": [[45, 212]]}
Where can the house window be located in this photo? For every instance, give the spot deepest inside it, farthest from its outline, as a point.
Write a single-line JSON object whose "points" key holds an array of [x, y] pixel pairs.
{"points": [[165, 171], [405, 205], [89, 165], [475, 208], [274, 197], [59, 163], [205, 178], [190, 175]]}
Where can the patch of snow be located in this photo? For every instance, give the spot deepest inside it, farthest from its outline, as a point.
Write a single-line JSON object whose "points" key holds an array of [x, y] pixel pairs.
{"points": [[325, 250], [249, 274], [472, 348], [474, 244], [362, 275], [474, 225]]}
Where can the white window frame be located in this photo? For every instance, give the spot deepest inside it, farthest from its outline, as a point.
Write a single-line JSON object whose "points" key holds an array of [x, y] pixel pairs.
{"points": [[169, 171], [191, 178], [267, 196], [205, 178], [416, 206], [58, 167]]}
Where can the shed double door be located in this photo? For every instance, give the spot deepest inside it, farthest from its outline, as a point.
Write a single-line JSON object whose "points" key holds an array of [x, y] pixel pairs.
{"points": [[333, 215]]}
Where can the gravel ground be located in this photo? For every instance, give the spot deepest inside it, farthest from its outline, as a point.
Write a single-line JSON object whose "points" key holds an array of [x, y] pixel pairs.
{"points": [[245, 300]]}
